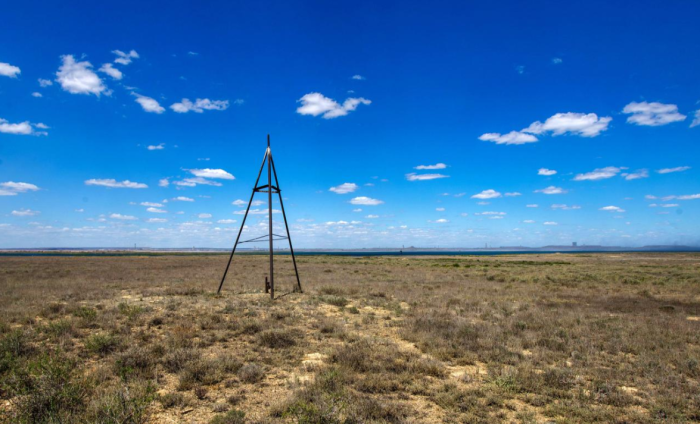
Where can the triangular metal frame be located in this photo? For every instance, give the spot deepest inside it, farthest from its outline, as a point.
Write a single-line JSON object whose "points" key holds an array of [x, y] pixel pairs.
{"points": [[269, 189]]}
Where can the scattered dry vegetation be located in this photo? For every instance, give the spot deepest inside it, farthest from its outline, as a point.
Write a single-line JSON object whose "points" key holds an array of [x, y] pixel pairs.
{"points": [[531, 338]]}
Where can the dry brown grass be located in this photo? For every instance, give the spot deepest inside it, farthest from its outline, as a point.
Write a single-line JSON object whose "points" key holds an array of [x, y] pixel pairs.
{"points": [[532, 338]]}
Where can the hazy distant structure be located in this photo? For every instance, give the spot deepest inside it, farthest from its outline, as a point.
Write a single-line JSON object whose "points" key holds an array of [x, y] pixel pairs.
{"points": [[268, 188], [574, 244]]}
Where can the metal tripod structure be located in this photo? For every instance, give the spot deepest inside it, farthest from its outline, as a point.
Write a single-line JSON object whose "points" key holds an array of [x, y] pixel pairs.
{"points": [[269, 188]]}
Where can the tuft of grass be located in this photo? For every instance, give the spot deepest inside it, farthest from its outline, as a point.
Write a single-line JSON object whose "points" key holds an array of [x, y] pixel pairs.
{"points": [[276, 339], [251, 373], [231, 417], [102, 344]]}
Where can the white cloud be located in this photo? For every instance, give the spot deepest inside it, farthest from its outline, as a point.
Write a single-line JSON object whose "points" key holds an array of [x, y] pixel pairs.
{"points": [[440, 209], [612, 209], [430, 167], [696, 121], [156, 220], [583, 124], [599, 174], [440, 221], [367, 201], [22, 128], [156, 210], [160, 146], [551, 190], [652, 114], [357, 210], [642, 173], [149, 104], [204, 216], [25, 212], [487, 194], [7, 70], [212, 173], [529, 221], [670, 205], [155, 205], [513, 194], [372, 216], [125, 58], [37, 94], [163, 182], [532, 206], [110, 70], [545, 171], [80, 210], [45, 82], [315, 104], [670, 170], [183, 199], [358, 77], [565, 207], [557, 60], [241, 203], [226, 221], [513, 137], [689, 197], [344, 188], [550, 223], [11, 188], [110, 182], [192, 182], [491, 213], [199, 106], [122, 217], [78, 77], [424, 177]]}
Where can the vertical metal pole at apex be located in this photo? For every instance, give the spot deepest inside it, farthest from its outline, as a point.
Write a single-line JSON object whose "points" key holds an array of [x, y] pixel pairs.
{"points": [[269, 189]]}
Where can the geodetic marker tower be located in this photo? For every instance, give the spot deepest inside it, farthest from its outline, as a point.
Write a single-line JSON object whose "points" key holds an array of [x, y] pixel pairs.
{"points": [[269, 189]]}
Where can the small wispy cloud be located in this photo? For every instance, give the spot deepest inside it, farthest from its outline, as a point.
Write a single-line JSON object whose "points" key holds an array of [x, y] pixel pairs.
{"points": [[431, 167], [546, 172], [112, 183], [212, 173], [612, 209], [671, 170], [25, 212], [642, 173], [599, 174], [344, 188], [149, 104], [652, 114], [11, 188], [7, 70], [366, 201], [160, 146], [551, 190], [487, 194], [424, 177], [199, 105], [123, 217], [316, 104], [125, 58]]}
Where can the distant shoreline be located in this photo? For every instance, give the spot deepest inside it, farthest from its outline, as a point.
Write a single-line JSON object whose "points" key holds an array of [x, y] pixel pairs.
{"points": [[346, 252]]}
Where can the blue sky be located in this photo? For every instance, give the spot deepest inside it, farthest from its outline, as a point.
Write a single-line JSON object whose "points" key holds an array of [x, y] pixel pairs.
{"points": [[451, 124]]}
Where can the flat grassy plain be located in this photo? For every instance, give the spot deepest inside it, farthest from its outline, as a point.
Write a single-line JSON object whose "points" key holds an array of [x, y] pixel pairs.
{"points": [[562, 338]]}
